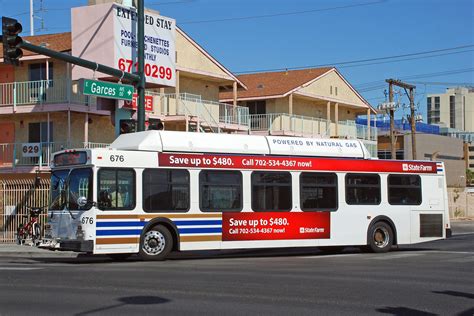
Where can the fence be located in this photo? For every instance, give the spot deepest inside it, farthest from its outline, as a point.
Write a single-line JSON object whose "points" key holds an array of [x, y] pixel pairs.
{"points": [[15, 196], [42, 92]]}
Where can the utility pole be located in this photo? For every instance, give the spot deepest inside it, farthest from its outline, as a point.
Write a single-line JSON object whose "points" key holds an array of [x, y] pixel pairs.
{"points": [[392, 120], [141, 66], [405, 86], [32, 17]]}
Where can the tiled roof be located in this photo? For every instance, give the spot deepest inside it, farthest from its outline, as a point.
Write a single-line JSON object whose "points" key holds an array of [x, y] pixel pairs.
{"points": [[275, 83], [59, 42]]}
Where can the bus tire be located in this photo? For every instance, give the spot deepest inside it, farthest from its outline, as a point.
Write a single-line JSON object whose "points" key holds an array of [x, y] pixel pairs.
{"points": [[156, 243], [36, 234], [380, 237]]}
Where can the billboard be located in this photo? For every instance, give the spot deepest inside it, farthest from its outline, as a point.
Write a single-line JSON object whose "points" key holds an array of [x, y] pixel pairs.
{"points": [[107, 34]]}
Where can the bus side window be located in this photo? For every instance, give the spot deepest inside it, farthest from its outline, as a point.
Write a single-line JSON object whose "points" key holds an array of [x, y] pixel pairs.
{"points": [[166, 190], [271, 191], [220, 191], [116, 189], [404, 189], [362, 189], [318, 191]]}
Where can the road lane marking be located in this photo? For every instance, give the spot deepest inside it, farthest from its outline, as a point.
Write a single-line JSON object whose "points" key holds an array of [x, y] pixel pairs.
{"points": [[397, 256], [19, 268]]}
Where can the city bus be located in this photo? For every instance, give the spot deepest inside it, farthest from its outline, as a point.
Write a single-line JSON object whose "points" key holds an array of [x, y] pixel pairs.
{"points": [[150, 193]]}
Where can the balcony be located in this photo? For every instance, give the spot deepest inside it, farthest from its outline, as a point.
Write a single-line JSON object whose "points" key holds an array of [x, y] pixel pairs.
{"points": [[15, 155], [213, 115], [32, 93]]}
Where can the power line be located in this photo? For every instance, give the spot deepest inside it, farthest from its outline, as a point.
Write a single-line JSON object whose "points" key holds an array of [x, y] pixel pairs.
{"points": [[373, 85], [363, 60], [431, 83], [284, 13]]}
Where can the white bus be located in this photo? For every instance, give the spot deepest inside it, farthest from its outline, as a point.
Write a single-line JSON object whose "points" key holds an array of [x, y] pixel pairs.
{"points": [[159, 191]]}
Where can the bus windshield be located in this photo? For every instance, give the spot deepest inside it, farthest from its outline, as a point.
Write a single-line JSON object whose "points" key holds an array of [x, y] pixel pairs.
{"points": [[67, 185]]}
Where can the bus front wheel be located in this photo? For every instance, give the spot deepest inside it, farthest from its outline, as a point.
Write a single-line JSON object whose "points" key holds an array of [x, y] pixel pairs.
{"points": [[380, 237], [156, 243]]}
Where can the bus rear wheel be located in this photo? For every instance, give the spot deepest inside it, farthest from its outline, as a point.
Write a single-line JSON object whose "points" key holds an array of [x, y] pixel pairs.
{"points": [[156, 243], [380, 237]]}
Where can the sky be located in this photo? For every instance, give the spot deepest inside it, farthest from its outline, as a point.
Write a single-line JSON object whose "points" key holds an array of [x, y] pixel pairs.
{"points": [[434, 38]]}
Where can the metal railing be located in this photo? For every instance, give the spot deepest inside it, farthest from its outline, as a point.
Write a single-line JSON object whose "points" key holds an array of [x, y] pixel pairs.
{"points": [[15, 196], [298, 125], [12, 155], [42, 92], [350, 129], [211, 112]]}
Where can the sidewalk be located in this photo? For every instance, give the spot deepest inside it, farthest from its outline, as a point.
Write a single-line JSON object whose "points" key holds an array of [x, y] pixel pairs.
{"points": [[13, 250]]}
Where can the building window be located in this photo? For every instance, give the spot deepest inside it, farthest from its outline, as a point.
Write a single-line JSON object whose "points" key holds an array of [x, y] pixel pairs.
{"points": [[330, 89], [436, 112], [387, 154], [428, 109], [318, 191], [271, 191], [166, 190], [335, 90], [362, 189], [404, 189], [257, 107], [220, 191], [37, 71], [38, 132], [116, 189], [452, 112]]}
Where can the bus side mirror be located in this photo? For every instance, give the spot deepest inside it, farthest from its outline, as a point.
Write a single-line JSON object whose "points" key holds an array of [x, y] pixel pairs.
{"points": [[81, 201]]}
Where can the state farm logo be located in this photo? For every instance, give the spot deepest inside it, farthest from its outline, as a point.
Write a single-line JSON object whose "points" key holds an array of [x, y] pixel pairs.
{"points": [[416, 167]]}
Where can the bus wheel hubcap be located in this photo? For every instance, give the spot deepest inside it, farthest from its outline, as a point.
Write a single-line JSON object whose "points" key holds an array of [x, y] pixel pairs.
{"points": [[153, 242], [381, 237]]}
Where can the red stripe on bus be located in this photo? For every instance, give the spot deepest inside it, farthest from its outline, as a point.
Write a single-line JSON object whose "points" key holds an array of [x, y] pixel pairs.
{"points": [[292, 163]]}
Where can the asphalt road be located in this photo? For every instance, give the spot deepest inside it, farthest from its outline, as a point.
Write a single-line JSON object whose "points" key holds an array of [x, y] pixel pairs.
{"points": [[434, 278]]}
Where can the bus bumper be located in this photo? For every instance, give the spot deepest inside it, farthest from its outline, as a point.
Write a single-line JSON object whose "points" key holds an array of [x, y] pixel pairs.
{"points": [[449, 233], [76, 245]]}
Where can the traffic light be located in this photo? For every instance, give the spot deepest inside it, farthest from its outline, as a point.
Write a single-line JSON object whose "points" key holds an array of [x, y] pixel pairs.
{"points": [[128, 126], [155, 124], [11, 41]]}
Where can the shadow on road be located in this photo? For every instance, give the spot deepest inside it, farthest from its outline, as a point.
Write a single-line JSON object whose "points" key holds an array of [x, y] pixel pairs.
{"points": [[403, 311], [456, 293], [128, 300]]}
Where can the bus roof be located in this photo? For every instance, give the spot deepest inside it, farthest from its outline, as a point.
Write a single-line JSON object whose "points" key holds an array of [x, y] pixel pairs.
{"points": [[171, 141]]}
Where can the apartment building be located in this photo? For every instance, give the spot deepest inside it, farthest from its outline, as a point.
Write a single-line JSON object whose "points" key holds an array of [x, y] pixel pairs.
{"points": [[42, 110], [315, 102], [453, 109]]}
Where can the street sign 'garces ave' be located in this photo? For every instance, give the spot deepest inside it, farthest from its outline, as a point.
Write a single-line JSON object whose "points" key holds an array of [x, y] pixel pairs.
{"points": [[108, 90]]}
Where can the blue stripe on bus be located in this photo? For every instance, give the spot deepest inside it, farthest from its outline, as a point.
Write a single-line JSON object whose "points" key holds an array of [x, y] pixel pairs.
{"points": [[439, 170], [118, 232], [197, 223], [120, 224], [200, 230], [143, 223]]}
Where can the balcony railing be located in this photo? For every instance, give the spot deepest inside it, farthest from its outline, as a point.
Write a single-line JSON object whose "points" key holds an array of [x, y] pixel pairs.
{"points": [[297, 125], [12, 155], [211, 112], [42, 92], [352, 130]]}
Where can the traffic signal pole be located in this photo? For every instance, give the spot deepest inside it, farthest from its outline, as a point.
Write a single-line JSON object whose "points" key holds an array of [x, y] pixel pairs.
{"points": [[141, 66], [12, 45], [80, 62]]}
